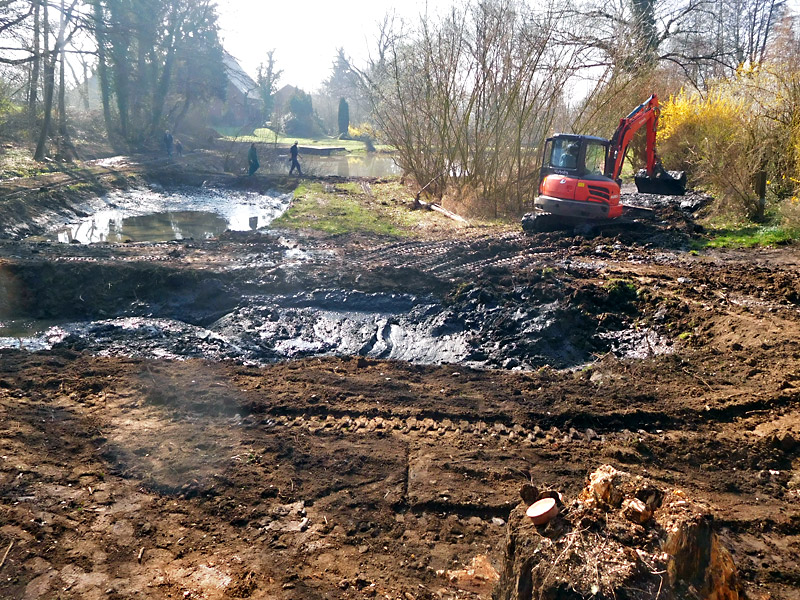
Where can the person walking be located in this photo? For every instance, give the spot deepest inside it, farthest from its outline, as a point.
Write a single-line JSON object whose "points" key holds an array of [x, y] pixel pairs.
{"points": [[252, 159], [295, 164], [168, 142], [178, 148]]}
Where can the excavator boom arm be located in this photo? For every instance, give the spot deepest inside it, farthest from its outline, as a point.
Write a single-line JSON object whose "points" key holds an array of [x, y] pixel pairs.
{"points": [[645, 114]]}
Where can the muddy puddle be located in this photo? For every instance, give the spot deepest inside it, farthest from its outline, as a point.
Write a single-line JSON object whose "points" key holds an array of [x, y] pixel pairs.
{"points": [[419, 329], [159, 215]]}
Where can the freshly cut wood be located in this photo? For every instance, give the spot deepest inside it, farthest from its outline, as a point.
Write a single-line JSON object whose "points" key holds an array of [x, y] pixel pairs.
{"points": [[440, 209], [621, 538], [447, 213], [542, 511]]}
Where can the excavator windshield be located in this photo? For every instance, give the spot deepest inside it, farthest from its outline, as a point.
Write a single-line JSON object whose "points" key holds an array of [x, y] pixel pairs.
{"points": [[584, 154], [564, 154], [595, 157]]}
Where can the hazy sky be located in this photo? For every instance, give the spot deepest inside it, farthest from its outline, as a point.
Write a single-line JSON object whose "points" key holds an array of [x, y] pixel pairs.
{"points": [[306, 33]]}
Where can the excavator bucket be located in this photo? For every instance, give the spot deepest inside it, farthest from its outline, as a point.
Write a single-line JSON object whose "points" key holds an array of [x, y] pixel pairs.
{"points": [[666, 183]]}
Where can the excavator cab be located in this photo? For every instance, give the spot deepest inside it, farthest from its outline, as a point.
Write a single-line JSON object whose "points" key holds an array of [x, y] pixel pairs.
{"points": [[574, 155], [572, 178]]}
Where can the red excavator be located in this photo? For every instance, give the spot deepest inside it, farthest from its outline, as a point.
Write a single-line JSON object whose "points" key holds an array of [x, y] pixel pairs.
{"points": [[579, 178]]}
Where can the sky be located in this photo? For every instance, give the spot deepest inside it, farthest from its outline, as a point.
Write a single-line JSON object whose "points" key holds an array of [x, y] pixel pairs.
{"points": [[306, 33]]}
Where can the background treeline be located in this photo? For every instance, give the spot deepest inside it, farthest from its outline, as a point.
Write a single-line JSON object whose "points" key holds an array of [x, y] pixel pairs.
{"points": [[466, 95], [152, 60]]}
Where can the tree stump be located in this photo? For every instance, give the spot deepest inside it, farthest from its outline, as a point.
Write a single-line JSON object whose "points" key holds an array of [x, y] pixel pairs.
{"points": [[622, 538]]}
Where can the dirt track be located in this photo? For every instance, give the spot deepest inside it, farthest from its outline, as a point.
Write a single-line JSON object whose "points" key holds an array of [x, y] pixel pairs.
{"points": [[354, 477]]}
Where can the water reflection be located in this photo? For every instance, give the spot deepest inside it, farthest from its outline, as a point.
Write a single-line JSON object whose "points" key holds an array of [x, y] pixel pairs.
{"points": [[158, 215], [157, 227], [370, 165]]}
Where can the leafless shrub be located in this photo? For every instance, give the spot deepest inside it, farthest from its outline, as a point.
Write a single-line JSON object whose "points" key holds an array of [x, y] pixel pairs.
{"points": [[467, 99]]}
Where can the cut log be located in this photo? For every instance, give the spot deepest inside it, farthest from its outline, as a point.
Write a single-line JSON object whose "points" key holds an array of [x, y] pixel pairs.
{"points": [[448, 214], [418, 204]]}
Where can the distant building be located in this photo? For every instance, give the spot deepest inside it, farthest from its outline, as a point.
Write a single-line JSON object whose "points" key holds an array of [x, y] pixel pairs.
{"points": [[281, 105], [242, 104]]}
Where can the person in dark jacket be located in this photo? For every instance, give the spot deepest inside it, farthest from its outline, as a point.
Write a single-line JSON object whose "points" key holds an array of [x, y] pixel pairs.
{"points": [[252, 159], [168, 142], [295, 163]]}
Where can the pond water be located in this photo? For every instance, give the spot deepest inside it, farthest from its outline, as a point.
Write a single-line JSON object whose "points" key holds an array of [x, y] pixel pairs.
{"points": [[370, 165], [156, 215]]}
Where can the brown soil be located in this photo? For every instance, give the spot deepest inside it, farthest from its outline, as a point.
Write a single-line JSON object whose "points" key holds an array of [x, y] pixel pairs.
{"points": [[356, 478]]}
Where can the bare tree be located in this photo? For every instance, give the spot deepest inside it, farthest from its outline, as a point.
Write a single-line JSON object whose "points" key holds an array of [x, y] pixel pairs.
{"points": [[467, 99], [51, 58], [702, 39], [267, 79], [33, 86]]}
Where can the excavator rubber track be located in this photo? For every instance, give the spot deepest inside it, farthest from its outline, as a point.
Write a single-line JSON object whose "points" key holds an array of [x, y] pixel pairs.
{"points": [[545, 222]]}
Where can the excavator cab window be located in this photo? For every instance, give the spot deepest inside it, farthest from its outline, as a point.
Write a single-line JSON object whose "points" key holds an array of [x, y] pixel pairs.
{"points": [[595, 157], [564, 154]]}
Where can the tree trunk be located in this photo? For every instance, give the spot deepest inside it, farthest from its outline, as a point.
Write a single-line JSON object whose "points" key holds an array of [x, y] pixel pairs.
{"points": [[49, 82], [85, 68], [64, 142], [102, 71], [160, 92], [35, 66]]}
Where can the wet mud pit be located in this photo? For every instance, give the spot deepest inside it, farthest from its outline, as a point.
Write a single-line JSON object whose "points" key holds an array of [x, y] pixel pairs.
{"points": [[125, 475], [286, 297]]}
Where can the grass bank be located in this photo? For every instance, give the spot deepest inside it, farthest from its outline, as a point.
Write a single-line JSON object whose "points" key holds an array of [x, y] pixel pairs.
{"points": [[751, 236], [353, 207]]}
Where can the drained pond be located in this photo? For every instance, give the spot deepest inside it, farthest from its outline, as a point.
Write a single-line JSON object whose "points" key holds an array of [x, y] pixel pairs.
{"points": [[272, 295]]}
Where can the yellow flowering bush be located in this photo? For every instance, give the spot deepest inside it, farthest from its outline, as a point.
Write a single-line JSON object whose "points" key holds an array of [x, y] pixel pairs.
{"points": [[740, 126], [720, 141], [364, 130]]}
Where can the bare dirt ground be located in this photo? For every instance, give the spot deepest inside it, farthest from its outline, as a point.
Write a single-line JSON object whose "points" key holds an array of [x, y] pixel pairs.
{"points": [[353, 477]]}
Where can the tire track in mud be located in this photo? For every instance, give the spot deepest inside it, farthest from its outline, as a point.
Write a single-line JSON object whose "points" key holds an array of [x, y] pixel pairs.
{"points": [[572, 425], [441, 424], [450, 258]]}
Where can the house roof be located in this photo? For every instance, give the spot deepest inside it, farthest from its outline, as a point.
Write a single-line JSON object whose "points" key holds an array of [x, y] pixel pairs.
{"points": [[238, 78], [282, 95]]}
